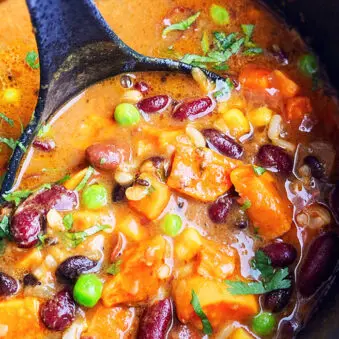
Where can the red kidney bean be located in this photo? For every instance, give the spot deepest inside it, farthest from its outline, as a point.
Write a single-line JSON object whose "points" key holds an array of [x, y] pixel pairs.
{"points": [[28, 221], [72, 267], [8, 285], [317, 168], [319, 263], [193, 109], [334, 201], [142, 87], [219, 209], [281, 254], [31, 280], [276, 301], [44, 145], [156, 320], [288, 329], [275, 157], [58, 313], [108, 156], [222, 143], [154, 104]]}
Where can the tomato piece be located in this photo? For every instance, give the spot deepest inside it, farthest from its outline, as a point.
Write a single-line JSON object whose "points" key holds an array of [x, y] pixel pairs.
{"points": [[297, 107], [255, 78]]}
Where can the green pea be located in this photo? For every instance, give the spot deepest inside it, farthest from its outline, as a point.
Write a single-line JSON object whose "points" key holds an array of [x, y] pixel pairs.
{"points": [[263, 323], [171, 224], [219, 15], [94, 197], [308, 65], [126, 114], [87, 290]]}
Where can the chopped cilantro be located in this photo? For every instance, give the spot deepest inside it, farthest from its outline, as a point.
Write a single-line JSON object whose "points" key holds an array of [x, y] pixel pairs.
{"points": [[182, 25], [10, 142], [246, 205], [17, 196], [223, 89], [76, 238], [7, 119], [42, 240], [259, 170], [63, 179], [248, 31], [83, 182], [102, 161], [114, 268], [253, 51], [270, 279], [206, 325], [32, 59], [68, 221], [4, 227], [221, 67]]}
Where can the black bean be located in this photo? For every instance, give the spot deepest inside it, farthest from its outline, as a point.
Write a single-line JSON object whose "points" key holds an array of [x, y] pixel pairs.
{"points": [[222, 143], [119, 193], [281, 254], [317, 168], [31, 280], [8, 285], [276, 301], [219, 209], [72, 267], [275, 157]]}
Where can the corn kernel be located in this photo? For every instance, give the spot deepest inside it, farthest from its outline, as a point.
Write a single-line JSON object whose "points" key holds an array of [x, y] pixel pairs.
{"points": [[187, 244], [11, 95], [260, 116], [236, 122]]}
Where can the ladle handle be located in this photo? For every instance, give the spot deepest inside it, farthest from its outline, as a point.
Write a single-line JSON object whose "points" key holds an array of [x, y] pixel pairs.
{"points": [[77, 23]]}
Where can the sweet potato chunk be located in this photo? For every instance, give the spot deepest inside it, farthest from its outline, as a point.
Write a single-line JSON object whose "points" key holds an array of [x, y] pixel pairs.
{"points": [[255, 78], [269, 209], [154, 203], [201, 173], [111, 323], [142, 271], [287, 87], [240, 333], [215, 299], [21, 315]]}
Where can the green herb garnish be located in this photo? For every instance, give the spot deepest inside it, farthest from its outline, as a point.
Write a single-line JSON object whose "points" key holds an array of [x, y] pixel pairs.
{"points": [[76, 238], [205, 44], [32, 59], [2, 246], [246, 205], [4, 227], [68, 221], [63, 179], [224, 89], [83, 182], [270, 279], [259, 170], [206, 325], [42, 240], [114, 268], [253, 51], [182, 25], [17, 196], [7, 119], [10, 142]]}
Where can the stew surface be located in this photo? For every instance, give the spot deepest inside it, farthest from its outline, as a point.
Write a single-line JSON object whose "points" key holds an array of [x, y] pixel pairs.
{"points": [[158, 205]]}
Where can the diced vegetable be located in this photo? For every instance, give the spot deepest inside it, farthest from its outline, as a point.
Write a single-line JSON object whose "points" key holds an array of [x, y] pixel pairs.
{"points": [[297, 107], [253, 77], [236, 122], [75, 180], [287, 87], [187, 244], [29, 259], [240, 333], [270, 211], [87, 290], [216, 302], [215, 261], [142, 262], [132, 229], [200, 173], [27, 310], [260, 117], [155, 201], [111, 323]]}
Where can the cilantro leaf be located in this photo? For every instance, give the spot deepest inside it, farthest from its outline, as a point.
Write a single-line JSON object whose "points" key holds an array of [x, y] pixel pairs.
{"points": [[10, 142], [4, 227], [17, 196], [253, 51], [68, 221], [246, 205], [63, 179], [114, 268], [32, 59], [83, 182], [259, 170], [243, 288], [224, 89], [262, 263], [248, 31], [182, 25], [7, 119], [278, 280], [206, 325], [76, 238]]}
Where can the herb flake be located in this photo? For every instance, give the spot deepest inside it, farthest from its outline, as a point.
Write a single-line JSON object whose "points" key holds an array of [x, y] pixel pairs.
{"points": [[83, 182], [259, 170], [182, 25], [246, 205], [4, 227], [7, 119], [32, 59], [206, 325], [76, 238], [68, 221], [114, 268]]}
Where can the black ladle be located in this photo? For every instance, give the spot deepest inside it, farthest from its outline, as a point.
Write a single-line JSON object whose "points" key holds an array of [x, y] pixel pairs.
{"points": [[76, 49]]}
